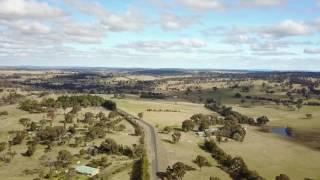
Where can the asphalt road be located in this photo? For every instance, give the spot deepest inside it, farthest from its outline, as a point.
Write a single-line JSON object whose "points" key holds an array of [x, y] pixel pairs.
{"points": [[152, 144]]}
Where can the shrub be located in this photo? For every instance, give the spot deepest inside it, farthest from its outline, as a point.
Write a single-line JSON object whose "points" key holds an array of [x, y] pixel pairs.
{"points": [[4, 113]]}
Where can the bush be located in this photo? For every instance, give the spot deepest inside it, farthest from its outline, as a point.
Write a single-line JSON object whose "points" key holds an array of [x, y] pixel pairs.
{"points": [[64, 158], [20, 135], [262, 120], [4, 113], [167, 129], [187, 125], [3, 146], [31, 106], [237, 95], [109, 146]]}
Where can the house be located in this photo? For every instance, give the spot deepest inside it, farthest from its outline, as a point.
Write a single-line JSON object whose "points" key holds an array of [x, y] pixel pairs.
{"points": [[87, 170]]}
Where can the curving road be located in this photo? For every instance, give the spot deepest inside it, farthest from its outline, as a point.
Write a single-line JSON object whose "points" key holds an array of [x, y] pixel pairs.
{"points": [[156, 158]]}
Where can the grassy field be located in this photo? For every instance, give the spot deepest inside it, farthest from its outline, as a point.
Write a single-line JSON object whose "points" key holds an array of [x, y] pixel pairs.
{"points": [[186, 151], [280, 116], [271, 154], [305, 131], [162, 119]]}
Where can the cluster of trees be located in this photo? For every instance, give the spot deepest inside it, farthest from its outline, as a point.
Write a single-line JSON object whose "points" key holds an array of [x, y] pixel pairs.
{"points": [[163, 110], [76, 102], [286, 102], [152, 95], [231, 115], [202, 121], [12, 98], [32, 106], [110, 146], [85, 101], [50, 134], [227, 112], [233, 130], [140, 170], [201, 161], [235, 167], [137, 128], [175, 172]]}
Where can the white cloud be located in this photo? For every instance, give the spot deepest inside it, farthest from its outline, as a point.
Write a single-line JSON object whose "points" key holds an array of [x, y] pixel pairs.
{"points": [[27, 26], [312, 50], [163, 46], [202, 4], [171, 21], [27, 9], [286, 28], [239, 39], [266, 46], [130, 20], [262, 3]]}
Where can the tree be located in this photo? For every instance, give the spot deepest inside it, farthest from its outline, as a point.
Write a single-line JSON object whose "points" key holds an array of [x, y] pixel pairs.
{"points": [[140, 115], [219, 138], [201, 161], [20, 135], [113, 114], [31, 149], [33, 126], [42, 123], [88, 117], [167, 129], [64, 158], [237, 95], [138, 131], [3, 146], [299, 104], [262, 120], [204, 124], [68, 118], [179, 169], [25, 122], [96, 132], [109, 146], [51, 115], [187, 125], [176, 137], [100, 115], [75, 109], [282, 177], [309, 116]]}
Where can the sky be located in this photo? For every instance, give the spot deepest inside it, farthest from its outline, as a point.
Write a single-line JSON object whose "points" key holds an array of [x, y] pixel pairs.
{"points": [[201, 34]]}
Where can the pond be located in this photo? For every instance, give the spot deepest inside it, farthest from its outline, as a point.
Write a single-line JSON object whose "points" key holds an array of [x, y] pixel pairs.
{"points": [[283, 131]]}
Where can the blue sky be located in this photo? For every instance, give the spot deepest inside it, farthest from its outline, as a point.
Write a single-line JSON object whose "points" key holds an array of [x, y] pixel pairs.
{"points": [[217, 34]]}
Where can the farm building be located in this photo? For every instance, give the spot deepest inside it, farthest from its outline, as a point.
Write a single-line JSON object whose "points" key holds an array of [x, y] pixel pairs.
{"points": [[87, 170]]}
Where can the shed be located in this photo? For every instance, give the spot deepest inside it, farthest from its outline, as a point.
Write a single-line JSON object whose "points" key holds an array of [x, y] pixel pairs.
{"points": [[87, 170]]}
